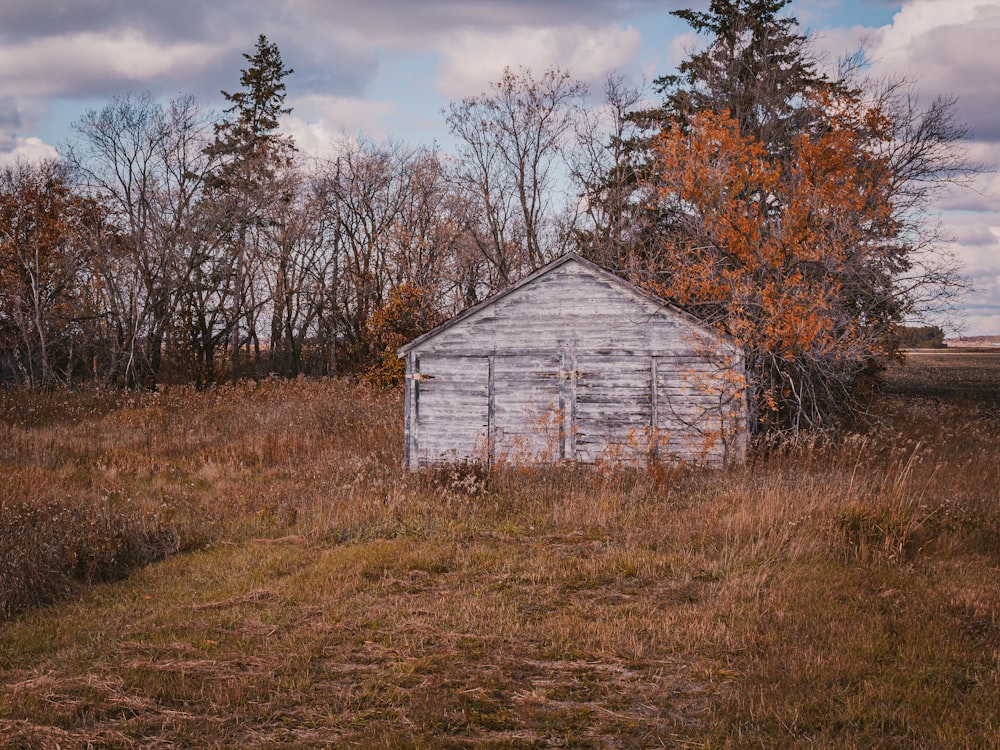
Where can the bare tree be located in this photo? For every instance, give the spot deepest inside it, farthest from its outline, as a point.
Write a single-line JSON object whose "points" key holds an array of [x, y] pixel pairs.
{"points": [[510, 165], [612, 228], [395, 221], [299, 259], [146, 164], [922, 151], [119, 160]]}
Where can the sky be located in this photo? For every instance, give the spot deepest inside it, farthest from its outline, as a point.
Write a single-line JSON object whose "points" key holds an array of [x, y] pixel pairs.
{"points": [[386, 68]]}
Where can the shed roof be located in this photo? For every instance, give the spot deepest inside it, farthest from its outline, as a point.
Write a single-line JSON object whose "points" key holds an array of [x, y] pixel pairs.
{"points": [[562, 260]]}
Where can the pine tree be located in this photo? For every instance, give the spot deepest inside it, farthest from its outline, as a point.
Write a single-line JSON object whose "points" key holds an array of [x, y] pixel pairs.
{"points": [[758, 67], [249, 135], [247, 190]]}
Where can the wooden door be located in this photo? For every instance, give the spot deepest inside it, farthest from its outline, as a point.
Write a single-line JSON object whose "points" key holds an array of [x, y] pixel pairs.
{"points": [[613, 415], [451, 409], [527, 422]]}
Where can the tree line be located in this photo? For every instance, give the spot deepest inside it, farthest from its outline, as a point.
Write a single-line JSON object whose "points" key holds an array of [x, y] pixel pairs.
{"points": [[784, 205]]}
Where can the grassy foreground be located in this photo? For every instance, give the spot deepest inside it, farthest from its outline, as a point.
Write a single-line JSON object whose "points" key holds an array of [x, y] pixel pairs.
{"points": [[843, 596]]}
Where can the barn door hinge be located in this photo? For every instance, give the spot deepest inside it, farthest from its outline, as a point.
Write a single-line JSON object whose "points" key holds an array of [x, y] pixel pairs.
{"points": [[418, 376]]}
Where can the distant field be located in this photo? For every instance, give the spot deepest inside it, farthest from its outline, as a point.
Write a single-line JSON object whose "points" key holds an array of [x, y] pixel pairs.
{"points": [[974, 341], [968, 375], [249, 567]]}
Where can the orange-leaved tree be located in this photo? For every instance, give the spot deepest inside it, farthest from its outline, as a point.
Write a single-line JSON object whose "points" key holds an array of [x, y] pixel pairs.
{"points": [[46, 233], [408, 312], [791, 207], [796, 256]]}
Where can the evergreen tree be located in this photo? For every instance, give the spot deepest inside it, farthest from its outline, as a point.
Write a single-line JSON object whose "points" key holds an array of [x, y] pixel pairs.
{"points": [[249, 189], [758, 67], [249, 135]]}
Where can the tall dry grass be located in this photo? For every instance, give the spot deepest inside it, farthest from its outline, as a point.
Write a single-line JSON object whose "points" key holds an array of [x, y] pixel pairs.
{"points": [[838, 594], [94, 483]]}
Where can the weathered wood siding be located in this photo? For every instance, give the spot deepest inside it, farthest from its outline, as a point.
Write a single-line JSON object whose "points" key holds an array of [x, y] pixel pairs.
{"points": [[452, 411], [574, 364], [526, 393], [614, 416]]}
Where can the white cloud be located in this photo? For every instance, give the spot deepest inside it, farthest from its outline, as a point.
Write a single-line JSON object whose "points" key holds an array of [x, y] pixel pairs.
{"points": [[473, 58], [980, 192], [835, 45], [977, 241], [918, 19], [948, 48], [976, 246], [75, 64], [321, 125], [683, 46], [32, 150]]}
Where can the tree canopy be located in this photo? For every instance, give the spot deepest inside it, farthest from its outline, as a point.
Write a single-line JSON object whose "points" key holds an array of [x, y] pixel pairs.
{"points": [[782, 209]]}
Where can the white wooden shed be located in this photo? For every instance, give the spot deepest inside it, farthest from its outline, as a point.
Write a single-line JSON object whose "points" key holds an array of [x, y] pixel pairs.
{"points": [[574, 363]]}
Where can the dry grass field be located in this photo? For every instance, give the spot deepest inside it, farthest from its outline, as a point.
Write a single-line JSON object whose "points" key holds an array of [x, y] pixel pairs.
{"points": [[249, 567]]}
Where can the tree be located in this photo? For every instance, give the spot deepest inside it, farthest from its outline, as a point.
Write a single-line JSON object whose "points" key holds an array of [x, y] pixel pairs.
{"points": [[146, 164], [921, 337], [250, 184], [249, 136], [408, 313], [366, 191], [791, 209], [394, 222], [757, 67], [783, 258], [509, 164], [46, 243], [295, 262], [615, 224]]}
